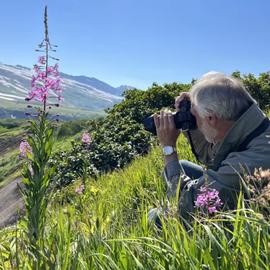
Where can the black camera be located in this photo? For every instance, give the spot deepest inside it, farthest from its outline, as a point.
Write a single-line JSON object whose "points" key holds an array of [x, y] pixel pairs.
{"points": [[183, 119]]}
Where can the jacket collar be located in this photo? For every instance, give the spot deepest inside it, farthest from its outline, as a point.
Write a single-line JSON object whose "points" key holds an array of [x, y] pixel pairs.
{"points": [[246, 124]]}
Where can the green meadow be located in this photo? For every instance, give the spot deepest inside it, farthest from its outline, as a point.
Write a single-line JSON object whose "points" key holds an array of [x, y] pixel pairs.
{"points": [[106, 227]]}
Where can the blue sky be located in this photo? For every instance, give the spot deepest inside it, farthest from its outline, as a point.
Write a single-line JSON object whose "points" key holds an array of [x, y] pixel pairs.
{"points": [[138, 42]]}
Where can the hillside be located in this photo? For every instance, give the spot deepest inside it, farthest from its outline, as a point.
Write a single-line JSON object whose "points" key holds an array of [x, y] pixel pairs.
{"points": [[97, 217], [105, 227], [11, 133]]}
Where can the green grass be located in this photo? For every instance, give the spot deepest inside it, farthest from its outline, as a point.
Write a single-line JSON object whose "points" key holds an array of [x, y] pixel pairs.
{"points": [[106, 228]]}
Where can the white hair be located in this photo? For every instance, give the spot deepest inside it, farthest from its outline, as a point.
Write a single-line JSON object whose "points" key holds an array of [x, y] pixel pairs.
{"points": [[224, 96]]}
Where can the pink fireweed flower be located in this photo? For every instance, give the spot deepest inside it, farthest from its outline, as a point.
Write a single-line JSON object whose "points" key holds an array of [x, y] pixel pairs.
{"points": [[45, 81], [50, 70], [36, 68], [25, 149], [208, 200], [86, 138], [80, 189]]}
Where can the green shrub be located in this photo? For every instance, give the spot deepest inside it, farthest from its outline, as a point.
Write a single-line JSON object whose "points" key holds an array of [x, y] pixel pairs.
{"points": [[259, 87], [70, 128], [118, 138]]}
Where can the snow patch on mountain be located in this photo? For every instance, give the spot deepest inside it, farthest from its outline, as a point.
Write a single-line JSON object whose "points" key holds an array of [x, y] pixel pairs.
{"points": [[10, 99], [79, 91], [12, 96]]}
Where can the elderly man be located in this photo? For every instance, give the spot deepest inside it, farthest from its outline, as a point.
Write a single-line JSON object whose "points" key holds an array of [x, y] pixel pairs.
{"points": [[232, 139]]}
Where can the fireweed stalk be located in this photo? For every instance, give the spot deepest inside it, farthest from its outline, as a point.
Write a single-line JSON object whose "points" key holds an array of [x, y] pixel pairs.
{"points": [[37, 173]]}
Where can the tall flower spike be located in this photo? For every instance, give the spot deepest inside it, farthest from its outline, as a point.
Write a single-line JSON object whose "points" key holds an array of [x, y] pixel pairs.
{"points": [[46, 82]]}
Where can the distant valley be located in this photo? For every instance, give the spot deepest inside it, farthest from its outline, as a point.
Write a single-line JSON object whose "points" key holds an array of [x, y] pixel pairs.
{"points": [[83, 96]]}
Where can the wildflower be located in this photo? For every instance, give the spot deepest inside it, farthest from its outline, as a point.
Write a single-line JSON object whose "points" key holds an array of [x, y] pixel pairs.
{"points": [[45, 81], [25, 149], [208, 200], [86, 138], [80, 189]]}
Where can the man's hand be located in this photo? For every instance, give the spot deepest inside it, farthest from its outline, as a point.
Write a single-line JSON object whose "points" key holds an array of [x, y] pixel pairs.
{"points": [[165, 126], [178, 99]]}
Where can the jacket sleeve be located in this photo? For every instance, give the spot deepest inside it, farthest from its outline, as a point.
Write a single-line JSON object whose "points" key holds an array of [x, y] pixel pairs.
{"points": [[172, 174], [201, 148]]}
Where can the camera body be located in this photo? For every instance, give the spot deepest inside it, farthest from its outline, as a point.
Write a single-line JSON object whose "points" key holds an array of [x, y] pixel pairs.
{"points": [[183, 119]]}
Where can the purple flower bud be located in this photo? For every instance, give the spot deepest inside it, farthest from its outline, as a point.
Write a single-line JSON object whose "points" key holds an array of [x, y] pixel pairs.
{"points": [[42, 60], [86, 138], [80, 189], [25, 148]]}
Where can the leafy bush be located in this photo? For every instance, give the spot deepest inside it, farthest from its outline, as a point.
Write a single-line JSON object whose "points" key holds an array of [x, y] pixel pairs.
{"points": [[106, 152], [116, 139], [259, 88], [70, 128]]}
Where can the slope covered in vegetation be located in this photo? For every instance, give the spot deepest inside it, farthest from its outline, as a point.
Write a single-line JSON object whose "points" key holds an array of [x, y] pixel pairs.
{"points": [[11, 133], [105, 227], [98, 217]]}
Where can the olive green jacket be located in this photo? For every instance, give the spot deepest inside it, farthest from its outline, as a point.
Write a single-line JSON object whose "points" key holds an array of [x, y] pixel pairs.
{"points": [[225, 165]]}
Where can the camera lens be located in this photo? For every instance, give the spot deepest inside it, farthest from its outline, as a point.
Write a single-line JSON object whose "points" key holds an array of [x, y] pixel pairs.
{"points": [[183, 119], [149, 125]]}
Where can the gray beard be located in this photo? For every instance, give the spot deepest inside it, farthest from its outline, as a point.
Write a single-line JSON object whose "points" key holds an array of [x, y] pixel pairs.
{"points": [[209, 133]]}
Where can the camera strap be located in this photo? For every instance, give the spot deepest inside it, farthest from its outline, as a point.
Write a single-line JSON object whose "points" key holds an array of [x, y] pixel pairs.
{"points": [[192, 146], [258, 131]]}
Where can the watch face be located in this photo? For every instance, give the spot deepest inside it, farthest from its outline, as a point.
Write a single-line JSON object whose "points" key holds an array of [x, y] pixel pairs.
{"points": [[168, 150]]}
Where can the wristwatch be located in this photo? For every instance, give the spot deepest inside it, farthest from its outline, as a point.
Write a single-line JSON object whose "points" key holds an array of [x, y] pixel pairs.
{"points": [[168, 150]]}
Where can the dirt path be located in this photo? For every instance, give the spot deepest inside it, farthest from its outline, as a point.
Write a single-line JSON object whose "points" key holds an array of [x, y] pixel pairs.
{"points": [[10, 203]]}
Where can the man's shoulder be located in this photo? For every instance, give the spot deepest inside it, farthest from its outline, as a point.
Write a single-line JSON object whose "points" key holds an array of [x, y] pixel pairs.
{"points": [[260, 134]]}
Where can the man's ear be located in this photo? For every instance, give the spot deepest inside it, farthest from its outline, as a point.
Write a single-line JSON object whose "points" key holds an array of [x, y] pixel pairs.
{"points": [[212, 120]]}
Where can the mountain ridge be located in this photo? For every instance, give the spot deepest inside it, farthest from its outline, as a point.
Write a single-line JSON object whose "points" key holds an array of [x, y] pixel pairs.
{"points": [[79, 91]]}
